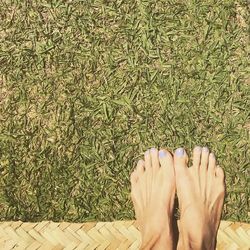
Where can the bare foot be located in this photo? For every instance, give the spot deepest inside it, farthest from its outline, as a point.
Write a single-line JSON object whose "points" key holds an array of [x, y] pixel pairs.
{"points": [[152, 193], [201, 192]]}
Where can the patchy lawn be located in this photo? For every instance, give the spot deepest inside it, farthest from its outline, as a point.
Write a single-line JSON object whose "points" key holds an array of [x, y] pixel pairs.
{"points": [[87, 86]]}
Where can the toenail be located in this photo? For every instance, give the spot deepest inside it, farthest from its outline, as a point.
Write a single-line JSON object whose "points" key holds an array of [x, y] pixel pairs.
{"points": [[162, 153], [153, 149], [205, 149], [179, 152], [140, 162], [197, 148], [147, 152], [212, 155]]}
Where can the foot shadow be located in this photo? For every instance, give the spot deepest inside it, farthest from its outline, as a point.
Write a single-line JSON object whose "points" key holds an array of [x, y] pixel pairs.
{"points": [[176, 217]]}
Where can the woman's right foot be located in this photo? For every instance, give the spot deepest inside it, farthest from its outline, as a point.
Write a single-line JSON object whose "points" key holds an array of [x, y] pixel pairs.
{"points": [[201, 192], [152, 193]]}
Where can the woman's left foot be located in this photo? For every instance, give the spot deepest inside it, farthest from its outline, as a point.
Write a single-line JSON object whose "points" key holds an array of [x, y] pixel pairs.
{"points": [[152, 193]]}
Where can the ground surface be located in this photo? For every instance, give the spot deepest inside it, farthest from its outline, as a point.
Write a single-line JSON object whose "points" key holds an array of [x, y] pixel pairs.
{"points": [[88, 86]]}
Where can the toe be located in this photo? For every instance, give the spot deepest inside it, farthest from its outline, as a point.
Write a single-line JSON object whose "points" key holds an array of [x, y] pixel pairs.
{"points": [[197, 157], [204, 178], [220, 176], [219, 172], [180, 161], [211, 164], [166, 161], [140, 168], [154, 158], [204, 158], [135, 193], [147, 160], [210, 174], [134, 177]]}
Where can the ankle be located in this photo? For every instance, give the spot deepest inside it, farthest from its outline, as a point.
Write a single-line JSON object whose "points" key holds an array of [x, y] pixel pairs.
{"points": [[149, 241], [203, 241], [157, 238], [200, 245], [165, 241]]}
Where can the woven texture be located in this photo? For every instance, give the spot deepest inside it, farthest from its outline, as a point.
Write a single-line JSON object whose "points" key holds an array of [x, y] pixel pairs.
{"points": [[100, 235]]}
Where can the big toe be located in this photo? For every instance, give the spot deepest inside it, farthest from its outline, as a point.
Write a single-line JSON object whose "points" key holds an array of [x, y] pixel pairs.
{"points": [[180, 161]]}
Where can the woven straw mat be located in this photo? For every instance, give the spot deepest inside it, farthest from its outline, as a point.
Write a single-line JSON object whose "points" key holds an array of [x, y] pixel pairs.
{"points": [[99, 235]]}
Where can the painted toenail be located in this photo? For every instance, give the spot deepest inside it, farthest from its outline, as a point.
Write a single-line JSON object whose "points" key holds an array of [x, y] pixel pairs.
{"points": [[153, 149], [205, 149], [197, 148], [162, 153], [179, 152]]}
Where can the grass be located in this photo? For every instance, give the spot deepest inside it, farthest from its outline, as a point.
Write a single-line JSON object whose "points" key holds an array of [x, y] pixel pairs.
{"points": [[88, 86]]}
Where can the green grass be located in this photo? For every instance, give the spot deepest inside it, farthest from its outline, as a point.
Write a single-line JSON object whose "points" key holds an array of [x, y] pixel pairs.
{"points": [[88, 86]]}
